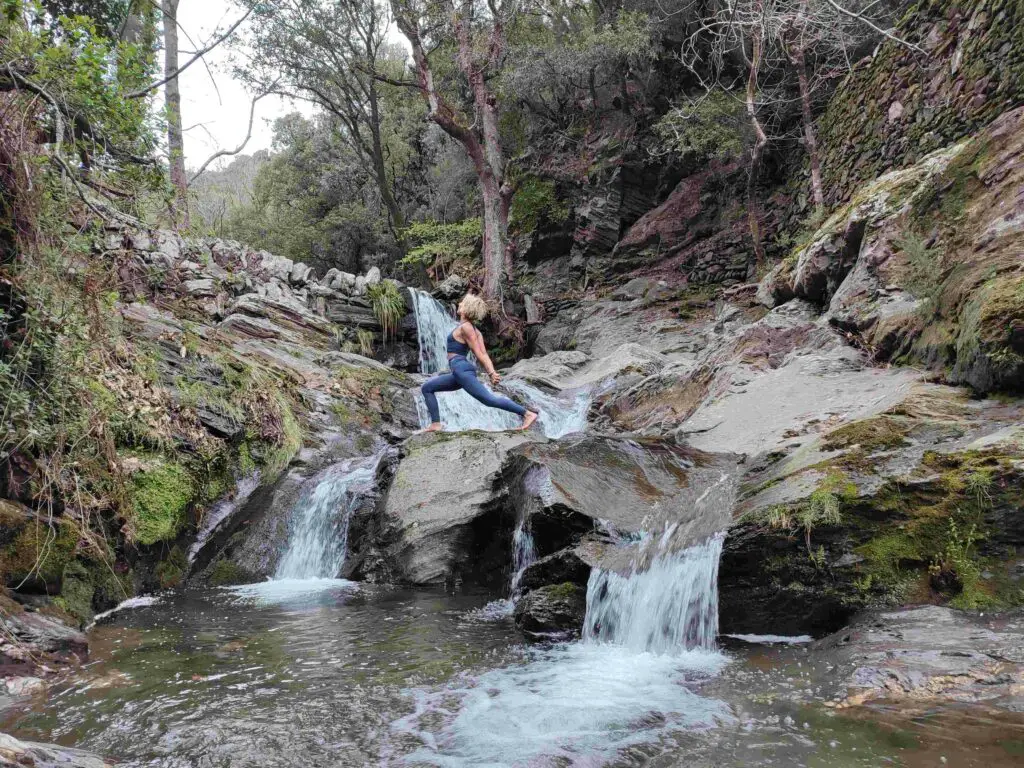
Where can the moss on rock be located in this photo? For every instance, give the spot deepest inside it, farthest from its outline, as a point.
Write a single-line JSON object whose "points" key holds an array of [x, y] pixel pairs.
{"points": [[160, 498]]}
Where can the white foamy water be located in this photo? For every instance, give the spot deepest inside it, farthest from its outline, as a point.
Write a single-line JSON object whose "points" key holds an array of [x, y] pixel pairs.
{"points": [[670, 606], [773, 639], [124, 605], [576, 704], [318, 530], [459, 412], [647, 638]]}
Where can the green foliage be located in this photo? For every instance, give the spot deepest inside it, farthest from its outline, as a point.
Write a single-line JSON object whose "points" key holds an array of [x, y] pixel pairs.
{"points": [[171, 570], [923, 265], [712, 128], [161, 495], [388, 305], [225, 572], [535, 203], [365, 340], [959, 557], [307, 201], [433, 242]]}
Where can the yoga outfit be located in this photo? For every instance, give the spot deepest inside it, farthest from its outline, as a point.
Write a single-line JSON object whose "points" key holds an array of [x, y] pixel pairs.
{"points": [[462, 375]]}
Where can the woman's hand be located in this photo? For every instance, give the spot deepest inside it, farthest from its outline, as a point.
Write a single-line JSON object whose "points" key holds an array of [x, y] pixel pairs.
{"points": [[495, 377]]}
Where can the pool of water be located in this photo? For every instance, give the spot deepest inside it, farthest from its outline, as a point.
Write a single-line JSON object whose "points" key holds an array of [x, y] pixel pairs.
{"points": [[330, 673]]}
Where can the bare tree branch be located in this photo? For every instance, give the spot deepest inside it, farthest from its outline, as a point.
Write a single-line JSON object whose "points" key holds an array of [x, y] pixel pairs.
{"points": [[228, 152], [864, 20], [199, 54]]}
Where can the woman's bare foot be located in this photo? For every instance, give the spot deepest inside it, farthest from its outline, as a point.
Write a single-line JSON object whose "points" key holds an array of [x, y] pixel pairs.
{"points": [[528, 419], [437, 426]]}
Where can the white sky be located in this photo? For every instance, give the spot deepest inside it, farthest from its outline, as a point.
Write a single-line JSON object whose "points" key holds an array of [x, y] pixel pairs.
{"points": [[211, 122]]}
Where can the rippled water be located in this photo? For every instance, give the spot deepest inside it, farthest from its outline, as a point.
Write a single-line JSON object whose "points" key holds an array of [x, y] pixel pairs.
{"points": [[329, 673]]}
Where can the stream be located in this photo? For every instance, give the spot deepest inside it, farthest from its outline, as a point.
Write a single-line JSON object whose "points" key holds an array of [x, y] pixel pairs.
{"points": [[328, 673], [309, 670]]}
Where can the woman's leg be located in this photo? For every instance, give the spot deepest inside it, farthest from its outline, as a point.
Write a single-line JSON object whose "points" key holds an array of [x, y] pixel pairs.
{"points": [[445, 382], [465, 374]]}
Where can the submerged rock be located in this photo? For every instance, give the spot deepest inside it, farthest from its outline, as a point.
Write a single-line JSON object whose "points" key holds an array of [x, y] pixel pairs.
{"points": [[928, 653], [557, 610], [15, 753]]}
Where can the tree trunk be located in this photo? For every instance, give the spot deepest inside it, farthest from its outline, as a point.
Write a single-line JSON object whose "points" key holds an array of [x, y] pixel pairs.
{"points": [[481, 140], [495, 228], [810, 138], [175, 135], [753, 204], [396, 219]]}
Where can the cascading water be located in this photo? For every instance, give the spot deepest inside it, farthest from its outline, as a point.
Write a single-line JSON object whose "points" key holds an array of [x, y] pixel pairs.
{"points": [[318, 537], [669, 607], [459, 411], [524, 554]]}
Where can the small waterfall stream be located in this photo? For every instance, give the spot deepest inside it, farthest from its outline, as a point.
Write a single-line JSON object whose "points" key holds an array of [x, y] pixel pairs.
{"points": [[670, 607], [318, 534], [459, 411]]}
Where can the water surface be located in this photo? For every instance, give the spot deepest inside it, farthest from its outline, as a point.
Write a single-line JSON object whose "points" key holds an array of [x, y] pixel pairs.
{"points": [[329, 673]]}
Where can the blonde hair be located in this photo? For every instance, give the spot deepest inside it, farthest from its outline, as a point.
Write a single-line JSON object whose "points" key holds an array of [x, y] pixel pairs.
{"points": [[473, 308]]}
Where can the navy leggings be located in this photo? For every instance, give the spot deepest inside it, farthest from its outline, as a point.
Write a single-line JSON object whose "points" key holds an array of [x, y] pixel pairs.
{"points": [[463, 376]]}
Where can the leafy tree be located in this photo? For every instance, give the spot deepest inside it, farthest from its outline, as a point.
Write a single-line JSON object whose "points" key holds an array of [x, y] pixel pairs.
{"points": [[474, 35], [336, 55], [312, 200]]}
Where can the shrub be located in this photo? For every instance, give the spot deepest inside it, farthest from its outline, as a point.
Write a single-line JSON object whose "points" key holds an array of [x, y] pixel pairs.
{"points": [[388, 306]]}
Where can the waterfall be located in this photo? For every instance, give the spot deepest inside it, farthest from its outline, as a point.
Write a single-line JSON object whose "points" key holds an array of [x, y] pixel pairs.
{"points": [[459, 411], [669, 607], [524, 554], [318, 534]]}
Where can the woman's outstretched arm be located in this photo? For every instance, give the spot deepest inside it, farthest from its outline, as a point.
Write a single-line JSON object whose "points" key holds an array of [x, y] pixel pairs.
{"points": [[475, 339]]}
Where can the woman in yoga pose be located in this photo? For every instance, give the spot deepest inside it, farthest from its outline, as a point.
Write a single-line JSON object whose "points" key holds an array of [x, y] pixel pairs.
{"points": [[462, 373]]}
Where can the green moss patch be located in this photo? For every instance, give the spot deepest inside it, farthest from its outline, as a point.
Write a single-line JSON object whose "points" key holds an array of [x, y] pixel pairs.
{"points": [[225, 573], [875, 434], [160, 497]]}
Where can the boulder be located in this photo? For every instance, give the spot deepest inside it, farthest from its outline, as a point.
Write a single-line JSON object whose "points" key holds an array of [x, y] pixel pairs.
{"points": [[373, 276], [300, 274], [555, 611], [452, 288], [200, 287], [43, 633], [564, 566], [625, 488], [438, 509]]}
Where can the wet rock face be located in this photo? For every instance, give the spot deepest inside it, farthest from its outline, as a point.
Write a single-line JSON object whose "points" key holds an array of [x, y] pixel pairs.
{"points": [[557, 610], [924, 266], [625, 487], [918, 503], [442, 520]]}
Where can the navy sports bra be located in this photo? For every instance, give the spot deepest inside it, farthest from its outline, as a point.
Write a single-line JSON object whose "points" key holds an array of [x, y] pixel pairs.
{"points": [[454, 346]]}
